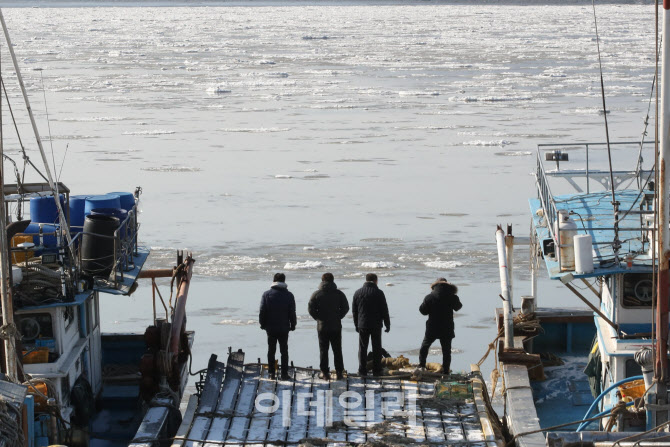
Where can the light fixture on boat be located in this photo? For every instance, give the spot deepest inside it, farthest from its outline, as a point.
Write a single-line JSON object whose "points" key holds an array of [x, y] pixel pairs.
{"points": [[556, 156]]}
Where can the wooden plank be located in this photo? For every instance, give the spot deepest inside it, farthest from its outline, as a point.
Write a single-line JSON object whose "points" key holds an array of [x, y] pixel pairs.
{"points": [[277, 430], [323, 408], [217, 431], [244, 408], [521, 416], [373, 402], [231, 383], [186, 422], [354, 414], [300, 408], [198, 430], [338, 431], [220, 421], [258, 429], [203, 421], [210, 393]]}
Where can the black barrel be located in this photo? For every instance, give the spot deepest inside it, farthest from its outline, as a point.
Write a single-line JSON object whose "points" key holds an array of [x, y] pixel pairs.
{"points": [[97, 252]]}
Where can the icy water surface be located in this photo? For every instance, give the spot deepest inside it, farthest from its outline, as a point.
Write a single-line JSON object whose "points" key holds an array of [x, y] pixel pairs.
{"points": [[343, 138]]}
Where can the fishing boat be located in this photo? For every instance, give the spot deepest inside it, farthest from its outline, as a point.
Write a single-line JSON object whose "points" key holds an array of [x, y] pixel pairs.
{"points": [[595, 375], [63, 380]]}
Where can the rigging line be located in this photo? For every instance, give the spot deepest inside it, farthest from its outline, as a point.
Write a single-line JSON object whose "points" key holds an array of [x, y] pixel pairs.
{"points": [[653, 169], [51, 140], [654, 235], [62, 163], [26, 159], [616, 244], [644, 131]]}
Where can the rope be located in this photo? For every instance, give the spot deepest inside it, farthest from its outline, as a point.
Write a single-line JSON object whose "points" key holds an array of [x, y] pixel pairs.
{"points": [[616, 244], [9, 332], [10, 425], [618, 410]]}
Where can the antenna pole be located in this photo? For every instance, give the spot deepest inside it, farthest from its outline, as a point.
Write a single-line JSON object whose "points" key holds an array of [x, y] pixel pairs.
{"points": [[5, 289], [63, 223], [661, 366]]}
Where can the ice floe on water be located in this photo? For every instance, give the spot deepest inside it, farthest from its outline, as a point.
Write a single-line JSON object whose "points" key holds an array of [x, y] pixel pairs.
{"points": [[171, 169], [443, 265], [255, 129], [88, 119], [514, 153], [219, 90], [489, 98], [380, 265], [234, 322], [487, 143], [306, 265], [150, 132]]}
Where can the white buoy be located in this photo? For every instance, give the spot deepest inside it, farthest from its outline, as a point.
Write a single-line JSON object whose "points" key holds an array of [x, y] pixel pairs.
{"points": [[583, 253]]}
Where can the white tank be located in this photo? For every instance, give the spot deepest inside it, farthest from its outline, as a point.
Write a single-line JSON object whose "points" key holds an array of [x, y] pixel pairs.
{"points": [[568, 230], [583, 253], [17, 275]]}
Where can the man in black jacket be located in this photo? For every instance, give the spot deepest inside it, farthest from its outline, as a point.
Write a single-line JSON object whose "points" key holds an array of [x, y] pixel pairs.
{"points": [[370, 311], [439, 305], [277, 317], [328, 306]]}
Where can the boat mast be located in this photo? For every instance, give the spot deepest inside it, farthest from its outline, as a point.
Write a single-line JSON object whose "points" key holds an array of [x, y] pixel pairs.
{"points": [[663, 290], [5, 290], [63, 223]]}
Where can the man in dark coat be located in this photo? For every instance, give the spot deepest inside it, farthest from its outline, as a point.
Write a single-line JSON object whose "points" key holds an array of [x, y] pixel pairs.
{"points": [[439, 305], [370, 311], [277, 317], [328, 306]]}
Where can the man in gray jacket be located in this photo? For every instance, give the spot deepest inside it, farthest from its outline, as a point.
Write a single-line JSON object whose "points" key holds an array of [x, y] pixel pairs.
{"points": [[328, 306]]}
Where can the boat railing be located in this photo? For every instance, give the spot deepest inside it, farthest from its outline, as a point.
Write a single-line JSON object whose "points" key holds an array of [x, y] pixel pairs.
{"points": [[603, 177], [126, 246], [596, 169], [546, 197]]}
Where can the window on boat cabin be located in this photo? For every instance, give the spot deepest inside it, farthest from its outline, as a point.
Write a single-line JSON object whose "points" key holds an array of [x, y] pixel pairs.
{"points": [[632, 368], [68, 315], [638, 290], [37, 332]]}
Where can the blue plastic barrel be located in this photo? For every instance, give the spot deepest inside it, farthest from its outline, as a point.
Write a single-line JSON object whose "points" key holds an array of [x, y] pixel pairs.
{"points": [[119, 213], [77, 209], [44, 209], [50, 241], [127, 199], [101, 201]]}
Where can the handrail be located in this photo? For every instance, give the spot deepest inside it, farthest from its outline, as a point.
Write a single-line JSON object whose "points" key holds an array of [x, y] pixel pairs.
{"points": [[544, 191], [546, 198]]}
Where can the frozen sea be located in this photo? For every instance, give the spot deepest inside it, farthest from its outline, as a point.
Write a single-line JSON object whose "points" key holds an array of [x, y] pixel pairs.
{"points": [[344, 137]]}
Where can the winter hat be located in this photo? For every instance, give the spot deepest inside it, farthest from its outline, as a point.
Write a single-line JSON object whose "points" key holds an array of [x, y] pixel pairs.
{"points": [[439, 281]]}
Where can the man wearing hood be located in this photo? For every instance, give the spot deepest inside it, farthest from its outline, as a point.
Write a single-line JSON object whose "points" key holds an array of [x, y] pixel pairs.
{"points": [[370, 312], [277, 317], [439, 305], [328, 306]]}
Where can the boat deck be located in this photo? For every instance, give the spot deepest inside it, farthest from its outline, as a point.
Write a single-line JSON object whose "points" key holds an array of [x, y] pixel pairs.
{"points": [[565, 394], [594, 214], [240, 405]]}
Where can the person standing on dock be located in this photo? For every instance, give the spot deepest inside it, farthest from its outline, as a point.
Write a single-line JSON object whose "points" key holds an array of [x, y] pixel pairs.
{"points": [[439, 305], [328, 306], [370, 312], [277, 317]]}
